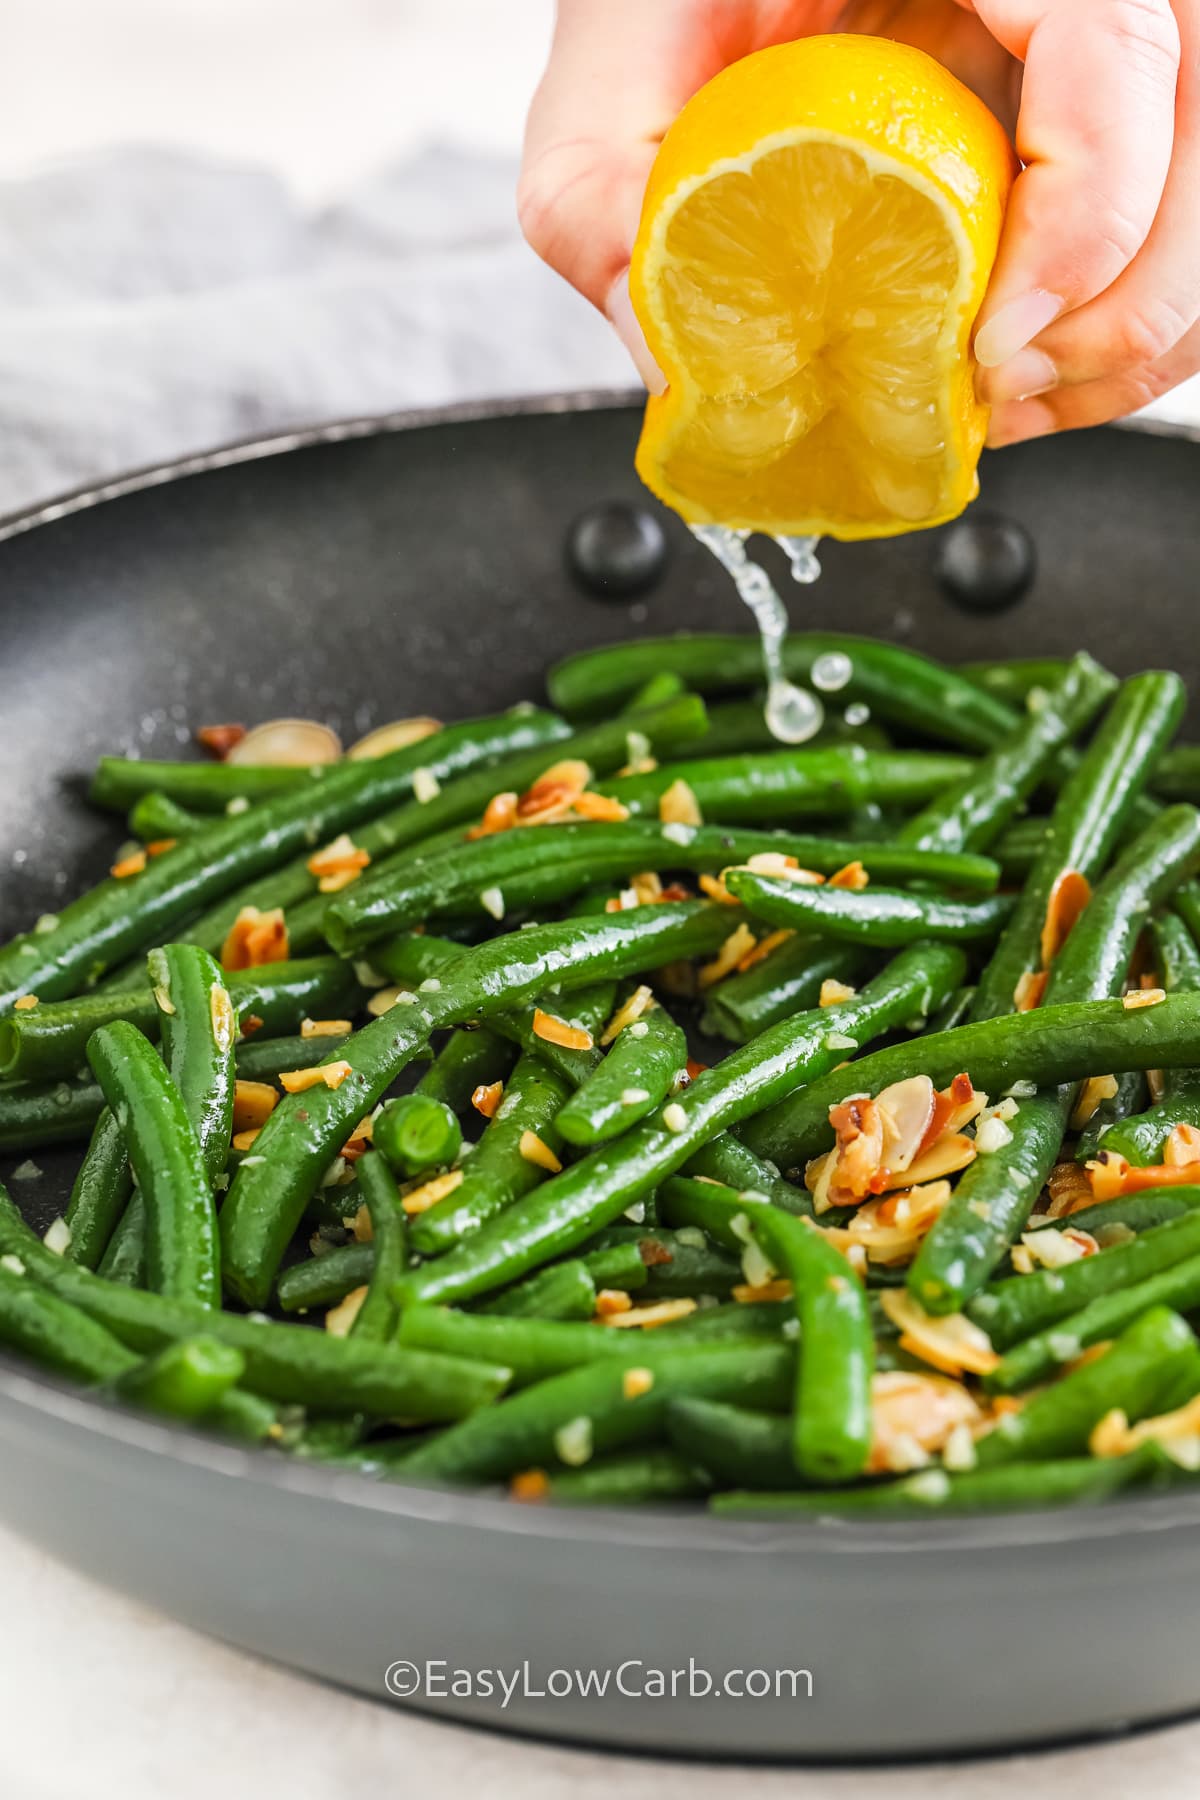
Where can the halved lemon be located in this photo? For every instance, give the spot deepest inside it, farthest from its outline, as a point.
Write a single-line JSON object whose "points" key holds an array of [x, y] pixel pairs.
{"points": [[817, 235]]}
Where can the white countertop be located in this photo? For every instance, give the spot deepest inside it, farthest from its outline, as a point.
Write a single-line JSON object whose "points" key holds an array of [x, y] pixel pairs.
{"points": [[103, 1698]]}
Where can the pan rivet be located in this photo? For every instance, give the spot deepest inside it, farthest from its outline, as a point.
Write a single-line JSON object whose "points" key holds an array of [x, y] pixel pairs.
{"points": [[616, 550], [985, 562]]}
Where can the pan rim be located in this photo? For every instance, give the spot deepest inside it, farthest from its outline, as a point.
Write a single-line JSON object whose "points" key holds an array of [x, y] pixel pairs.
{"points": [[24, 1389]]}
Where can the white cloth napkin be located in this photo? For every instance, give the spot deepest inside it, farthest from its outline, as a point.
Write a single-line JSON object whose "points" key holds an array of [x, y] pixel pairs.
{"points": [[154, 304]]}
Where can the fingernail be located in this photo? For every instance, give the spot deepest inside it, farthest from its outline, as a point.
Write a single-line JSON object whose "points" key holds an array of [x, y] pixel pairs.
{"points": [[1014, 326], [624, 322], [1027, 373]]}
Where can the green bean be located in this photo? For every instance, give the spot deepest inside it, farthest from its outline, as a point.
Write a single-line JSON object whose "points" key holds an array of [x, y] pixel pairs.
{"points": [[614, 1265], [304, 1133], [675, 1266], [101, 1190], [375, 1320], [955, 1012], [198, 1025], [51, 1039], [385, 837], [1072, 1481], [787, 981], [498, 1173], [156, 817], [634, 1078], [119, 781], [1140, 1373], [288, 1363], [1177, 774], [168, 1164], [1051, 1045], [1130, 1097], [732, 1321], [831, 780], [898, 685], [1141, 1137], [587, 1411], [124, 1258], [262, 1059], [1128, 1212], [1014, 679], [186, 1380], [512, 870], [993, 1199], [1043, 1354], [731, 1444], [98, 931], [970, 816], [533, 1348], [728, 1160], [1018, 1307], [658, 688], [637, 1478], [572, 1206], [321, 1281], [1019, 846], [1092, 810], [467, 1060], [415, 1133], [831, 1423], [566, 1290], [56, 1334], [887, 917]]}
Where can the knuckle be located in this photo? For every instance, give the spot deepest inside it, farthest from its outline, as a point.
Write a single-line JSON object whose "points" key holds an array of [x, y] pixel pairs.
{"points": [[1147, 34], [1148, 333]]}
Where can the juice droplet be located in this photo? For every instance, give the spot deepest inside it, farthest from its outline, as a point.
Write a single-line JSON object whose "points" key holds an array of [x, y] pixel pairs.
{"points": [[793, 714], [832, 671], [801, 553]]}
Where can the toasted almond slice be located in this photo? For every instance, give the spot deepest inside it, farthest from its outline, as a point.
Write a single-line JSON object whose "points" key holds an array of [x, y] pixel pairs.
{"points": [[888, 1231], [854, 877], [557, 1031], [1069, 1188], [715, 888], [906, 1108], [1055, 1249], [500, 814], [341, 1317], [319, 1028], [529, 1485], [396, 736], [125, 866], [913, 1416], [487, 1097], [610, 1301], [951, 1152], [677, 805], [242, 1140], [728, 956], [220, 739], [765, 947], [1030, 989], [636, 1382], [554, 792], [1096, 1088], [255, 938], [160, 846], [662, 1312], [602, 807], [1114, 1436], [26, 1003], [1133, 1002], [858, 1127], [287, 743], [954, 1344], [778, 1289], [296, 1081], [253, 1104], [640, 1001], [534, 1150], [1182, 1146], [1068, 897], [835, 993], [648, 887], [773, 862], [420, 1199]]}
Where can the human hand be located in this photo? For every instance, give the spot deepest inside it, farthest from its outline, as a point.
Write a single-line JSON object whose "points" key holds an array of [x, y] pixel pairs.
{"points": [[1094, 300]]}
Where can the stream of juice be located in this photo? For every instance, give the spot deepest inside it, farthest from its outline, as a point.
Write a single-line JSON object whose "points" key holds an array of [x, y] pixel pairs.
{"points": [[792, 713]]}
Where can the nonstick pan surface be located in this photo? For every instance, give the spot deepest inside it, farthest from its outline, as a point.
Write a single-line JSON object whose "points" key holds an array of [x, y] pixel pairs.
{"points": [[417, 566]]}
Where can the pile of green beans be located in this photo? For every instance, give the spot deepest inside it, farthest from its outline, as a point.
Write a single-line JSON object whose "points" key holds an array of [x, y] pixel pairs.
{"points": [[468, 1187]]}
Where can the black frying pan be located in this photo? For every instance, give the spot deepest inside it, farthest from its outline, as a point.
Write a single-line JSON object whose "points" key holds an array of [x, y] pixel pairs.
{"points": [[418, 567]]}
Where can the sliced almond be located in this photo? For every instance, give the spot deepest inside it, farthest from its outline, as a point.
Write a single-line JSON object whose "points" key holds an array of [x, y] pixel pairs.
{"points": [[487, 1097], [332, 1075], [906, 1109], [255, 938], [954, 1344], [534, 1150], [500, 814], [1030, 990], [640, 1001], [554, 792], [396, 736], [662, 1312], [913, 1417], [1095, 1090], [253, 1104], [420, 1199], [603, 808], [1182, 1146], [677, 805], [854, 877], [557, 1031], [287, 743], [736, 946], [765, 947], [1068, 897]]}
